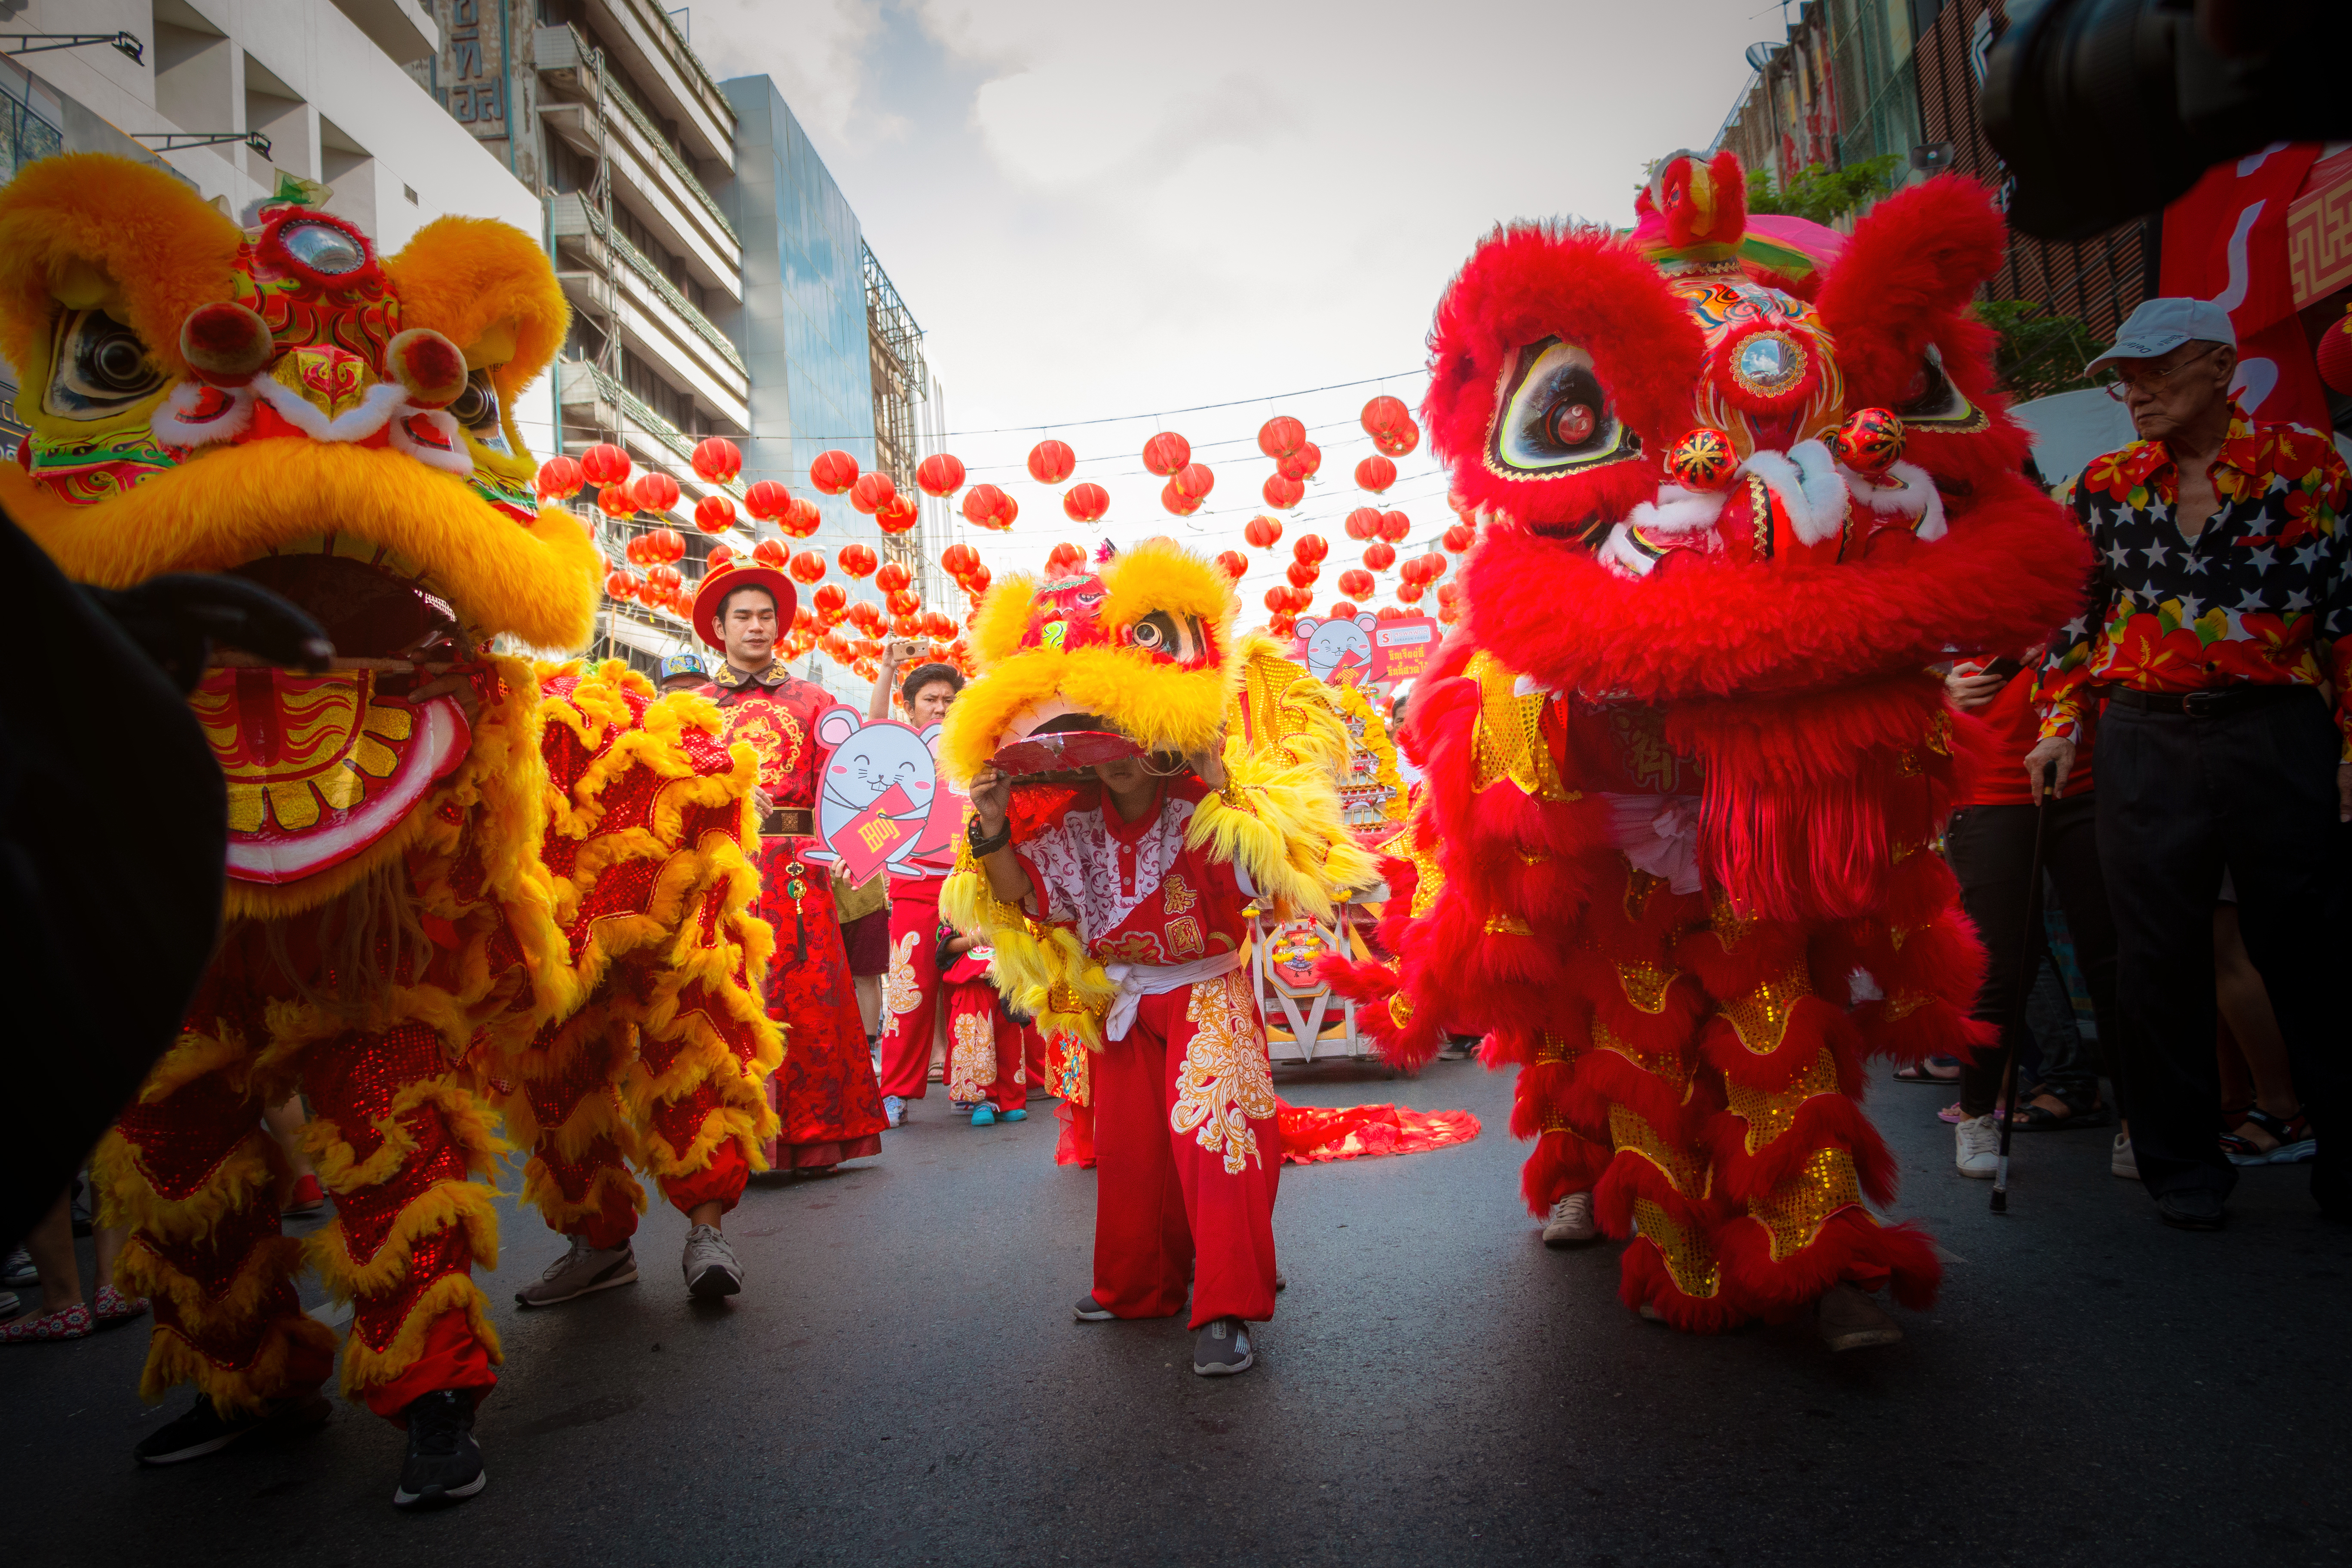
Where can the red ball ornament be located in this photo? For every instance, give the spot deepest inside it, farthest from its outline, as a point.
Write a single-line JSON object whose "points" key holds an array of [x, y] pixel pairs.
{"points": [[767, 500], [1394, 526], [941, 475], [1262, 533], [1085, 503], [1280, 493], [891, 576], [1302, 464], [654, 492], [714, 514], [1310, 548], [1177, 501], [1870, 442], [896, 515], [771, 554], [808, 566], [1384, 414], [1380, 555], [559, 479], [1166, 453], [1281, 435], [716, 460], [1051, 462], [834, 472], [1364, 522], [857, 560], [1460, 537], [1233, 564], [1375, 474], [605, 464], [1702, 460], [1356, 582]]}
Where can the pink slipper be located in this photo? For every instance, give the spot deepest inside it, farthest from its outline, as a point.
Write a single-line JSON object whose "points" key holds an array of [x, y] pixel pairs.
{"points": [[114, 1307], [72, 1322]]}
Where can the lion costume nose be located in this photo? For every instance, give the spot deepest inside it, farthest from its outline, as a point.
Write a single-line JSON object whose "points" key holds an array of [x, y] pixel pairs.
{"points": [[227, 345]]}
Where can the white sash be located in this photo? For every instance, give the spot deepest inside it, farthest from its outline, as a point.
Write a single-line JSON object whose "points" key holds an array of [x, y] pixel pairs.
{"points": [[1136, 981]]}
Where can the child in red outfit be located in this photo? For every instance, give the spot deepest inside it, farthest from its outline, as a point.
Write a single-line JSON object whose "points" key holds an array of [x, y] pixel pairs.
{"points": [[985, 1045]]}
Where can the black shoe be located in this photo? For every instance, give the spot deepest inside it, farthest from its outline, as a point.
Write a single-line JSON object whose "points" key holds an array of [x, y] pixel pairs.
{"points": [[444, 1464], [204, 1430], [2192, 1209]]}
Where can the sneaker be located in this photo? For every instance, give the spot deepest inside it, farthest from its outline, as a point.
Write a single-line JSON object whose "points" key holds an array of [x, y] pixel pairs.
{"points": [[74, 1322], [444, 1463], [893, 1110], [983, 1115], [711, 1267], [1224, 1349], [2191, 1208], [1850, 1321], [113, 1307], [1977, 1141], [1090, 1310], [1015, 1114], [307, 1198], [578, 1271], [1571, 1222], [2120, 1161], [203, 1430], [19, 1270], [10, 1305]]}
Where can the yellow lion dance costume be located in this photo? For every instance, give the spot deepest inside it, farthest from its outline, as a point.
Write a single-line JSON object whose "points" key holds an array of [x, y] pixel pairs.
{"points": [[456, 878]]}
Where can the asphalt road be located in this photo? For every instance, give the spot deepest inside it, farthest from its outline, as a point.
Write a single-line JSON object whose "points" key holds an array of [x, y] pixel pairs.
{"points": [[902, 1382]]}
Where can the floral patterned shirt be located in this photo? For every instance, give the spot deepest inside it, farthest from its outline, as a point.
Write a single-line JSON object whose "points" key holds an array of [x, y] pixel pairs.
{"points": [[2249, 600], [1136, 893]]}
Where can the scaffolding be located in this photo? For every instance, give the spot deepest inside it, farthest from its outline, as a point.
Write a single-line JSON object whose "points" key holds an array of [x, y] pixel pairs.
{"points": [[901, 382]]}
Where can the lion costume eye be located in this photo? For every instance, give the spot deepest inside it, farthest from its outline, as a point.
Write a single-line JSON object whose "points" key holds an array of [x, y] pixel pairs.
{"points": [[476, 408], [1553, 417], [98, 367], [1167, 635], [1932, 402]]}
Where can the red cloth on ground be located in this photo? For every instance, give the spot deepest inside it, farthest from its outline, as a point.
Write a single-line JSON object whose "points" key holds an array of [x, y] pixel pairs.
{"points": [[1311, 1134], [911, 992], [825, 1096], [1167, 1211], [452, 1358], [2011, 726]]}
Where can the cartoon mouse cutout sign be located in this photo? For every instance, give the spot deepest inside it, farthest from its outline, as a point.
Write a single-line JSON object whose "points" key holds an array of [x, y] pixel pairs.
{"points": [[1366, 651], [882, 807]]}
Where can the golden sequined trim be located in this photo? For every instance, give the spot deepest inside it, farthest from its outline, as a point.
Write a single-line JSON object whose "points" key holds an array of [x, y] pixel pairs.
{"points": [[1225, 1082], [1508, 925], [1639, 886], [1646, 983], [1797, 1208], [1729, 926], [900, 992], [1691, 1176], [1507, 737], [1902, 1003], [1761, 1017], [1557, 1049], [1399, 1008], [1770, 1113], [1690, 1261], [1666, 1064], [1428, 877]]}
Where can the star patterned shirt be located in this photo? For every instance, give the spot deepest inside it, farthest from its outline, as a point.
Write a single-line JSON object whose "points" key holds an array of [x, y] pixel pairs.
{"points": [[2249, 601], [1133, 889]]}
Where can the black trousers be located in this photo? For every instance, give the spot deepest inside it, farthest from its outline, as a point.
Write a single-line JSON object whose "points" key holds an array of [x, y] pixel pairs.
{"points": [[1990, 848], [2180, 799]]}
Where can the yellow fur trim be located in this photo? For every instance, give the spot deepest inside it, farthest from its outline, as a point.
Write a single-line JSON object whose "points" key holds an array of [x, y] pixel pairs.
{"points": [[468, 1124], [439, 1209], [541, 1192], [1161, 574], [192, 1055], [1280, 713], [143, 1270], [465, 276], [278, 1370], [1286, 834], [248, 1175], [364, 1369], [1041, 968]]}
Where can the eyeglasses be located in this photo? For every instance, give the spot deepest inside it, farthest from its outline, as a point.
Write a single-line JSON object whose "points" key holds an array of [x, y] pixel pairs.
{"points": [[2150, 381]]}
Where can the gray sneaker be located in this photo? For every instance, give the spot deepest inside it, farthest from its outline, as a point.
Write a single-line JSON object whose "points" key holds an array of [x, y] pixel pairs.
{"points": [[711, 1267], [19, 1270], [1224, 1349], [578, 1271], [1571, 1222]]}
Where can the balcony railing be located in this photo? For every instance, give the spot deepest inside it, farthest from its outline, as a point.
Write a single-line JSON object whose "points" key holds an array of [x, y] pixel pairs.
{"points": [[642, 415], [643, 266], [582, 53]]}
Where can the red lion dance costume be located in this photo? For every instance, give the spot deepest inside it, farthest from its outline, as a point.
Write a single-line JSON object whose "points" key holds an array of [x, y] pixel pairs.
{"points": [[537, 899], [1684, 761]]}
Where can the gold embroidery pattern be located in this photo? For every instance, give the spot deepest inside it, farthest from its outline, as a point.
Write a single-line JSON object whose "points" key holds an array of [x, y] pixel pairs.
{"points": [[1177, 895], [1507, 736], [1225, 1082], [1508, 925], [1628, 1130], [1796, 1210], [1557, 1049], [1646, 983], [1399, 1008], [1666, 1064], [1428, 877], [900, 993], [1690, 1262], [971, 1054], [1760, 1018], [1902, 1003], [1640, 737], [1770, 1113], [1184, 937]]}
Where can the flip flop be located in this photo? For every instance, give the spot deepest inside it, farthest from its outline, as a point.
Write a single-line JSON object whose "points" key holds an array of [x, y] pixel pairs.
{"points": [[1917, 1071]]}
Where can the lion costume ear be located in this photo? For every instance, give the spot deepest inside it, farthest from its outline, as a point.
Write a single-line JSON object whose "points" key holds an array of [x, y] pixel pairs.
{"points": [[86, 230], [487, 286]]}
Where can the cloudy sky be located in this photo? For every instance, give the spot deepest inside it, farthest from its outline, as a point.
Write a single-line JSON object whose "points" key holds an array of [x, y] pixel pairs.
{"points": [[1099, 211]]}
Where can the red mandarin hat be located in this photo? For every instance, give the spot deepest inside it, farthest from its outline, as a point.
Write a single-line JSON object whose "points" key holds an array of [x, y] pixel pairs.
{"points": [[717, 586]]}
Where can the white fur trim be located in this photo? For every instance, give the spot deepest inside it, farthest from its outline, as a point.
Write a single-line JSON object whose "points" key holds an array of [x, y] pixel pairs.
{"points": [[1679, 511], [1808, 482], [171, 426], [1912, 495], [455, 458], [1622, 555], [382, 400]]}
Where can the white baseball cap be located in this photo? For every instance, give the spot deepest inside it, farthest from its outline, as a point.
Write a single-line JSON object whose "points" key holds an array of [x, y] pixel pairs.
{"points": [[2160, 326]]}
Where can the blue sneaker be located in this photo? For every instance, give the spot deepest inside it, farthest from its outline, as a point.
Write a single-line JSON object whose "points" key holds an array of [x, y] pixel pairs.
{"points": [[1015, 1114], [983, 1115]]}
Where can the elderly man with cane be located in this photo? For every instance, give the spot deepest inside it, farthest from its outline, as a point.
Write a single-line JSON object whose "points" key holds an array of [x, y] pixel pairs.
{"points": [[2221, 585]]}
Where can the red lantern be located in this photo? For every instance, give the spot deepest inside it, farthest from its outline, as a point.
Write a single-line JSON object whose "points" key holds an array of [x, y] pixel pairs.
{"points": [[828, 600], [1380, 555], [1343, 610], [1364, 522], [1195, 480], [654, 492], [895, 515], [664, 576], [716, 460], [604, 465], [1396, 443], [808, 566], [958, 559], [891, 576], [1310, 548], [986, 506], [668, 545], [1384, 414], [2334, 355], [721, 558], [1165, 453], [1394, 526], [766, 500], [1177, 501], [834, 472], [559, 479], [976, 581], [771, 554], [634, 550], [615, 501], [1085, 503], [1051, 462], [1435, 565], [904, 602], [857, 560], [1375, 474], [1278, 600], [941, 475], [1263, 532], [1233, 564], [872, 491], [1460, 537], [1282, 626], [1357, 582], [1302, 573], [1280, 493], [621, 584], [1410, 593], [801, 519], [1064, 558], [714, 514], [1302, 464], [938, 626], [1280, 436], [866, 616]]}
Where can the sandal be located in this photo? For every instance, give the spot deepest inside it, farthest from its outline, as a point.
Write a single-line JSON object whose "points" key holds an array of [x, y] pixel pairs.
{"points": [[72, 1322], [1923, 1072], [2032, 1118], [2291, 1141]]}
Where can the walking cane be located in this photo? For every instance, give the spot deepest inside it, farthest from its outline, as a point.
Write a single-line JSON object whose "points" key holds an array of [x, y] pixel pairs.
{"points": [[2027, 969]]}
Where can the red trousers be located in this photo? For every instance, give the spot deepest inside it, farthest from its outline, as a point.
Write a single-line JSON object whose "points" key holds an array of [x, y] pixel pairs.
{"points": [[912, 991], [1187, 1154]]}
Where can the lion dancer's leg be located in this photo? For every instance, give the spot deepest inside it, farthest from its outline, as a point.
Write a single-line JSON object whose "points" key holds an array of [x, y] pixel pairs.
{"points": [[190, 1170], [568, 1103], [1793, 1150]]}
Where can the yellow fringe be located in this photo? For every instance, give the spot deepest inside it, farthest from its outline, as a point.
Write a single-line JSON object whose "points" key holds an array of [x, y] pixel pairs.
{"points": [[364, 1369], [172, 1361], [247, 1176], [541, 1192], [466, 1204], [1287, 835], [143, 1271], [469, 1127]]}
